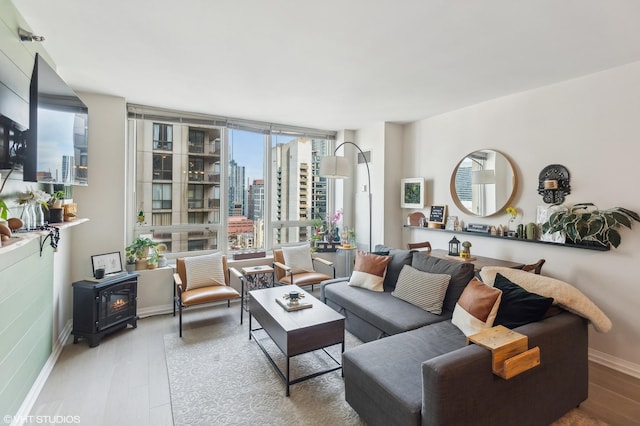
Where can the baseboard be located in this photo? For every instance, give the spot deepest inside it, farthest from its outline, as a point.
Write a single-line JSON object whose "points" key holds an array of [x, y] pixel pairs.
{"points": [[625, 367], [36, 388], [155, 310]]}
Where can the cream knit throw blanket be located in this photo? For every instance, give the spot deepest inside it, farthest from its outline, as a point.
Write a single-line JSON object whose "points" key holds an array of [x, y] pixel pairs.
{"points": [[564, 294]]}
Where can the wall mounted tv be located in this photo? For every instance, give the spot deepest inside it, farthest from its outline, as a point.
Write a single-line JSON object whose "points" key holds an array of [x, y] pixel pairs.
{"points": [[57, 142]]}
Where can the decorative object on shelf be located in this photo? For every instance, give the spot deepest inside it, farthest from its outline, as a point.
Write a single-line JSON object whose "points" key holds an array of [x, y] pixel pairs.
{"points": [[70, 212], [585, 223], [334, 167], [512, 213], [454, 247], [554, 183], [414, 219], [466, 249], [452, 222], [412, 193], [520, 232], [531, 231], [33, 201], [480, 228], [437, 216], [483, 183]]}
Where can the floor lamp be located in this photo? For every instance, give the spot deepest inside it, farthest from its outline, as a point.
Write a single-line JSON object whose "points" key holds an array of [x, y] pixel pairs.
{"points": [[334, 167]]}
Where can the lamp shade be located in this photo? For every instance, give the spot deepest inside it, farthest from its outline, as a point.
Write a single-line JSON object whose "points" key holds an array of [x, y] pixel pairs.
{"points": [[483, 177], [334, 167]]}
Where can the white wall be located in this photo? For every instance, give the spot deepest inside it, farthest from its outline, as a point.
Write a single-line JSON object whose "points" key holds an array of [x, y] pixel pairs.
{"points": [[591, 126], [103, 201]]}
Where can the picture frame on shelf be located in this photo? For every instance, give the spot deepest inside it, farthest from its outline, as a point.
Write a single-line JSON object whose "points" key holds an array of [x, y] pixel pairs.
{"points": [[451, 223], [437, 216], [412, 193]]}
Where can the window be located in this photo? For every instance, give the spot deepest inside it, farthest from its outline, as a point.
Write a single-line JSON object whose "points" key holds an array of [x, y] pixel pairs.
{"points": [[161, 198], [162, 166], [162, 136], [209, 183]]}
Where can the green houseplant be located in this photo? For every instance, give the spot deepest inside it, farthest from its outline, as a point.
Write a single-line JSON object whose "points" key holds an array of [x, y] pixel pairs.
{"points": [[138, 251], [584, 222]]}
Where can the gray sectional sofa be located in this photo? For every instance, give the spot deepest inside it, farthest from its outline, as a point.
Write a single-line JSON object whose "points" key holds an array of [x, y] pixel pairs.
{"points": [[416, 367]]}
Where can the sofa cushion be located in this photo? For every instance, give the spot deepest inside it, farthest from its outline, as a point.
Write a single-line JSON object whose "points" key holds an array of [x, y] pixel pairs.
{"points": [[477, 307], [369, 271], [387, 373], [204, 271], [461, 273], [399, 258], [382, 310], [422, 289], [298, 258], [517, 305]]}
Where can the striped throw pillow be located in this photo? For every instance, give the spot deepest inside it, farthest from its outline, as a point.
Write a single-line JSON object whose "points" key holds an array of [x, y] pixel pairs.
{"points": [[204, 271], [423, 289]]}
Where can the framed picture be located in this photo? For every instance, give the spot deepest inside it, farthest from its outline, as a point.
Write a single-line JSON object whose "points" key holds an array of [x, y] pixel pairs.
{"points": [[412, 193], [110, 262], [438, 215], [451, 223]]}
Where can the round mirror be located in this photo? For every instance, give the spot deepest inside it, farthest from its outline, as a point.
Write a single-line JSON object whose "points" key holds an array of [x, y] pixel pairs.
{"points": [[483, 183]]}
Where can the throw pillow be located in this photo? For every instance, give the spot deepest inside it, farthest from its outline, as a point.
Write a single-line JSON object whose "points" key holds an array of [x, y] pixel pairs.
{"points": [[369, 271], [422, 289], [204, 271], [477, 307], [461, 273], [564, 294], [518, 306], [298, 258]]}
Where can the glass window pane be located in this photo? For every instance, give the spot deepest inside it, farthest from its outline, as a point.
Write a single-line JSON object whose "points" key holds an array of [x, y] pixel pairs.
{"points": [[245, 226], [299, 193]]}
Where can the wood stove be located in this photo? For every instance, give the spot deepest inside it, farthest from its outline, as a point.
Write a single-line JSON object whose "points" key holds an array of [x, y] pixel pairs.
{"points": [[102, 307]]}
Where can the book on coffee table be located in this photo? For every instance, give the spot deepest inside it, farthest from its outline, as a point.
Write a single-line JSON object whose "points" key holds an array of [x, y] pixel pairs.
{"points": [[293, 306]]}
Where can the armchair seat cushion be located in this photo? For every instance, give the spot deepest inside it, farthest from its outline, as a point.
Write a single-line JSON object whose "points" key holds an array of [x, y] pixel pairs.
{"points": [[305, 278], [208, 294]]}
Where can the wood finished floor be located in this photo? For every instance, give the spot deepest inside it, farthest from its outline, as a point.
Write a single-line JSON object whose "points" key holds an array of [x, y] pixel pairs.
{"points": [[123, 381]]}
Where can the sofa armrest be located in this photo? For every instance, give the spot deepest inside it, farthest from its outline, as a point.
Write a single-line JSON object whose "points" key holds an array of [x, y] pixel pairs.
{"points": [[323, 299], [459, 387]]}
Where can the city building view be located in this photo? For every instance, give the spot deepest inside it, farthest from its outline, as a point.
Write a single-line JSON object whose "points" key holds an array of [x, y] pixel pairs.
{"points": [[198, 186]]}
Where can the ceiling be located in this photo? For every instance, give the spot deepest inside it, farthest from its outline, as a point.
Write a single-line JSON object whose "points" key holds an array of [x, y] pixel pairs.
{"points": [[329, 64]]}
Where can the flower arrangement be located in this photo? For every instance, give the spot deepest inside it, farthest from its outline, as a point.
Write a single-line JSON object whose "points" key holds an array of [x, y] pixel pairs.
{"points": [[512, 213], [34, 196], [333, 219]]}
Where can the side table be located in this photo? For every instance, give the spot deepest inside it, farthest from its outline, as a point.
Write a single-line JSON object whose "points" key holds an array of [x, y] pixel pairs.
{"points": [[253, 278], [348, 254]]}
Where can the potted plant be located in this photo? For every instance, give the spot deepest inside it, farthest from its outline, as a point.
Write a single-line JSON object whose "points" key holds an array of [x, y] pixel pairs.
{"points": [[139, 250], [152, 260], [584, 222]]}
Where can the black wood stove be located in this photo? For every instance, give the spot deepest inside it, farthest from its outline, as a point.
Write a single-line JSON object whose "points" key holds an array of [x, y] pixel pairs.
{"points": [[100, 308]]}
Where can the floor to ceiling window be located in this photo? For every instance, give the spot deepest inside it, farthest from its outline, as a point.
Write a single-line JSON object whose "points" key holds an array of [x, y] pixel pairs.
{"points": [[208, 183]]}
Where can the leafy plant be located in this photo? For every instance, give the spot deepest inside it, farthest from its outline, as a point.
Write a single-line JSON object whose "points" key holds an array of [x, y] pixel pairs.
{"points": [[138, 249], [585, 222]]}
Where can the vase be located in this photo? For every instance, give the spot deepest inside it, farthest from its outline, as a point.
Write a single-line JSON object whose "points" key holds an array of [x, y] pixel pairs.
{"points": [[38, 217], [27, 217]]}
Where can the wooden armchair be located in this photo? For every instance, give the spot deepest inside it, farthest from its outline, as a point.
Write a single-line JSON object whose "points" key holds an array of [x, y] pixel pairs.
{"points": [[285, 275], [423, 246], [536, 268], [183, 296]]}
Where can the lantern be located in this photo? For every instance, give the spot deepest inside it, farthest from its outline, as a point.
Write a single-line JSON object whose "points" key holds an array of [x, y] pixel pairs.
{"points": [[454, 247]]}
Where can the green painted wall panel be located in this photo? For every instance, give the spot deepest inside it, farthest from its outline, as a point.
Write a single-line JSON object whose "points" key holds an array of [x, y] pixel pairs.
{"points": [[26, 320]]}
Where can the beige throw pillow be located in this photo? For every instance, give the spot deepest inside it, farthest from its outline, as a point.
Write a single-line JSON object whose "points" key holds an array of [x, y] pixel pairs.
{"points": [[477, 307], [423, 289], [204, 271], [369, 271], [298, 258]]}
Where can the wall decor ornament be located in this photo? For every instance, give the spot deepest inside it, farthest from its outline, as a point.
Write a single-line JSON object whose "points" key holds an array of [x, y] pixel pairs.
{"points": [[412, 190], [554, 183]]}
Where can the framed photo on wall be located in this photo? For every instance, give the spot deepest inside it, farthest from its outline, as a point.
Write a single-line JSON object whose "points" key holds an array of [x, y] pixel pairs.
{"points": [[412, 193]]}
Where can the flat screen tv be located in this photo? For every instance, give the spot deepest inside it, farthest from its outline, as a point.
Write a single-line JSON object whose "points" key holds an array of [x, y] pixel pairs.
{"points": [[57, 142]]}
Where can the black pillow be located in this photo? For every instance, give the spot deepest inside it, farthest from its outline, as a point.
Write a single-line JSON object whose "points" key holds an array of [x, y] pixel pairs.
{"points": [[518, 306]]}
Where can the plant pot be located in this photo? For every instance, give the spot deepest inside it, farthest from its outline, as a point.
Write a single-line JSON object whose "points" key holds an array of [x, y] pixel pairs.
{"points": [[55, 215], [130, 267], [141, 264], [152, 265]]}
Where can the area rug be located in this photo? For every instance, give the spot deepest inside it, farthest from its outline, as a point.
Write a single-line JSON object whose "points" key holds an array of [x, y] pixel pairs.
{"points": [[217, 376]]}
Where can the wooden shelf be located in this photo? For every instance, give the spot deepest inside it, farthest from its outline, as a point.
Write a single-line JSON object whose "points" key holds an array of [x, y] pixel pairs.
{"points": [[521, 240]]}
